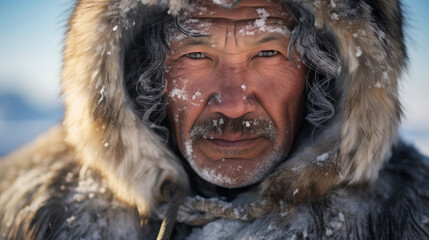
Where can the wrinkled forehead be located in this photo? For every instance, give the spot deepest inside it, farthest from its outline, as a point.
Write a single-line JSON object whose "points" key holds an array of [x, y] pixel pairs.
{"points": [[248, 17]]}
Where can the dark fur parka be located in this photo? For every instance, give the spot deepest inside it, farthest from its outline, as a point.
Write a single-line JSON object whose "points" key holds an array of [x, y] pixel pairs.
{"points": [[100, 174]]}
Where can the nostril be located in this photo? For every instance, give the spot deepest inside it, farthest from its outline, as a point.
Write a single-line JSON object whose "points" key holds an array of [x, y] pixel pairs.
{"points": [[215, 99], [231, 103]]}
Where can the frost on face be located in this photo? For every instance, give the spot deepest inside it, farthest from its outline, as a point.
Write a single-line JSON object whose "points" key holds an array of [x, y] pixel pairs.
{"points": [[243, 87], [189, 150], [197, 98], [196, 95], [178, 93], [262, 24], [214, 177]]}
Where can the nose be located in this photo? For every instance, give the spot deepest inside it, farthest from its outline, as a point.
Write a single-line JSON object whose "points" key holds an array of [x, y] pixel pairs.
{"points": [[234, 97]]}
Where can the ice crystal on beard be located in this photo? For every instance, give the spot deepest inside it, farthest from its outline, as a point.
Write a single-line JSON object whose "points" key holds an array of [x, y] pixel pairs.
{"points": [[212, 176], [188, 148], [247, 123]]}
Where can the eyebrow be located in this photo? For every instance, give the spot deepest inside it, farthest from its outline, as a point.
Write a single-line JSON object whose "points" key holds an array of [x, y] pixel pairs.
{"points": [[267, 38], [205, 40]]}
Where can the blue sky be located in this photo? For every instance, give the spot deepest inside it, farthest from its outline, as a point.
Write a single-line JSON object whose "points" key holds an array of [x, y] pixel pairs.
{"points": [[31, 38]]}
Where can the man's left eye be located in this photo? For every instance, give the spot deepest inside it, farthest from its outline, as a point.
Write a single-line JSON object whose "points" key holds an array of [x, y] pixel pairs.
{"points": [[196, 55], [267, 53]]}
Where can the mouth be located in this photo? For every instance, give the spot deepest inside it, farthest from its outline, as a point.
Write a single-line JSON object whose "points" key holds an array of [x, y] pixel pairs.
{"points": [[232, 146], [234, 141]]}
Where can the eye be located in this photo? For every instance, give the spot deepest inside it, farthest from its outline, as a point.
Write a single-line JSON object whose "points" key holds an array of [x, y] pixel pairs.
{"points": [[267, 53], [196, 55]]}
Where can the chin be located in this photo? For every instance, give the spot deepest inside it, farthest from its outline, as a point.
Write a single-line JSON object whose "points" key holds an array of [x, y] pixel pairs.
{"points": [[236, 173]]}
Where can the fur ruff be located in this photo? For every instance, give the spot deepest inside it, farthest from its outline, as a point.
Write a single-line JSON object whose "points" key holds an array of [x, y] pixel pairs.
{"points": [[102, 132], [109, 136]]}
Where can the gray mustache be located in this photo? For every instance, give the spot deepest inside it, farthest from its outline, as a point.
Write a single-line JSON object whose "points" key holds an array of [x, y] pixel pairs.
{"points": [[224, 125]]}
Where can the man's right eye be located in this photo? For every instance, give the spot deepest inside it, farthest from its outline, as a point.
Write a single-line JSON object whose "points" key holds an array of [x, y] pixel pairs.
{"points": [[196, 55]]}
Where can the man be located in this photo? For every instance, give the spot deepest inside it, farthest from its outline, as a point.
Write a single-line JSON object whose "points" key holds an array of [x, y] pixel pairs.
{"points": [[224, 120], [235, 95]]}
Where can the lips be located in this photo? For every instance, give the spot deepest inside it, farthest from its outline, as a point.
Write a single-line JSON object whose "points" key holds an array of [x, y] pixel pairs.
{"points": [[231, 146], [234, 141]]}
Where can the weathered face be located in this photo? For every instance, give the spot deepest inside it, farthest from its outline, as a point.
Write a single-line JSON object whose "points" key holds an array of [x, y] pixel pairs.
{"points": [[235, 99]]}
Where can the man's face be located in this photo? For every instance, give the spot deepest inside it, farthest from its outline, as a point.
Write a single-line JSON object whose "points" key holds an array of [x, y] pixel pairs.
{"points": [[235, 99]]}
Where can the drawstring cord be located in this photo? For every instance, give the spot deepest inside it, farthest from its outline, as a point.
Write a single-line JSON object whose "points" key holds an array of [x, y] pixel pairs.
{"points": [[215, 208], [175, 195], [198, 211]]}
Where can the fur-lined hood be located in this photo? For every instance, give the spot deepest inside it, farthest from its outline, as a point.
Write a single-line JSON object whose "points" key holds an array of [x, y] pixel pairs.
{"points": [[105, 128], [355, 53]]}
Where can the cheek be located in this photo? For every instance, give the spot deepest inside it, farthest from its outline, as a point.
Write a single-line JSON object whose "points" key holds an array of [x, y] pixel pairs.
{"points": [[282, 84], [185, 102], [184, 85], [281, 92], [182, 92]]}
